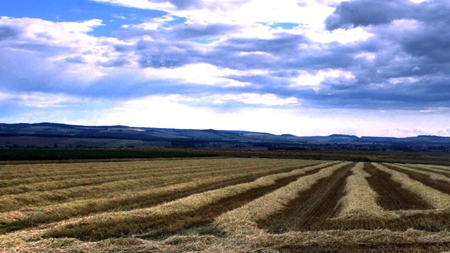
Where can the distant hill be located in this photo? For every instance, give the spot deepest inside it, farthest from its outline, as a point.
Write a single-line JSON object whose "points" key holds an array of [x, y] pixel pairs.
{"points": [[55, 135]]}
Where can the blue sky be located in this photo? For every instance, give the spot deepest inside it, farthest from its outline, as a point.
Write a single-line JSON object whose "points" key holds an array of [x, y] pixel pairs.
{"points": [[304, 67]]}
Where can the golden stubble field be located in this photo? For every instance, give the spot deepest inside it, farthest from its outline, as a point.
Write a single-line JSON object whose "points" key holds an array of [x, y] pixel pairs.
{"points": [[224, 205]]}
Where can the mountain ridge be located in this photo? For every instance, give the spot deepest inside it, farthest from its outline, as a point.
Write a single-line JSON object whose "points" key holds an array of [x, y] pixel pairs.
{"points": [[209, 138]]}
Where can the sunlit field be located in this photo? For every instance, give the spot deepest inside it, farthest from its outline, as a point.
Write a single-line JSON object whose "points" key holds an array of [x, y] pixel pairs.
{"points": [[224, 205]]}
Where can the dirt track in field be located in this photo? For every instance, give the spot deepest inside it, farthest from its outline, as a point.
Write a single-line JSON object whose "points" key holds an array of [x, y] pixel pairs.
{"points": [[424, 179], [312, 207], [368, 248], [391, 196]]}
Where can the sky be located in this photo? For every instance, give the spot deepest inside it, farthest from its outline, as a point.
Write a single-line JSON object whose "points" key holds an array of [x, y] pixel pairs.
{"points": [[302, 67]]}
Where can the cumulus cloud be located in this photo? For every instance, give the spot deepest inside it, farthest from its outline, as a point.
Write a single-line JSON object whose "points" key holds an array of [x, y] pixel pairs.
{"points": [[7, 32], [365, 12], [402, 64], [233, 55]]}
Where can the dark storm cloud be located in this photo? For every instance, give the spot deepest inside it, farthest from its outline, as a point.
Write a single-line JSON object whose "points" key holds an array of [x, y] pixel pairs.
{"points": [[402, 66], [75, 59], [366, 12], [172, 53], [180, 31], [410, 56], [376, 12], [200, 30], [183, 4], [281, 44], [114, 63], [7, 32], [253, 53]]}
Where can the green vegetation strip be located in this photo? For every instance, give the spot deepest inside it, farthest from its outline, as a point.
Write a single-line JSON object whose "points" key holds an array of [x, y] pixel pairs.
{"points": [[74, 154]]}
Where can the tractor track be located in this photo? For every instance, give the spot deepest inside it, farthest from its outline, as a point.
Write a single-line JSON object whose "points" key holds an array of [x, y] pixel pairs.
{"points": [[426, 221], [424, 179], [160, 227], [312, 207], [436, 171], [417, 247], [140, 201], [391, 195]]}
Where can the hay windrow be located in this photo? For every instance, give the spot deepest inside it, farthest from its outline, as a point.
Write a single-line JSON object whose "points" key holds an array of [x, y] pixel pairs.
{"points": [[218, 204], [434, 176], [360, 199], [433, 197], [139, 220], [244, 219]]}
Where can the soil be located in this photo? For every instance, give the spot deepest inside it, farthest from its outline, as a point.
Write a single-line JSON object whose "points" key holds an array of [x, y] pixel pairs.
{"points": [[312, 207], [162, 227], [369, 248], [391, 196], [424, 179], [434, 170], [204, 216]]}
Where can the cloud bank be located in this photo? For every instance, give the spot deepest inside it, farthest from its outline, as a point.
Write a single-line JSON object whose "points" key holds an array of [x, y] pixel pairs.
{"points": [[358, 63]]}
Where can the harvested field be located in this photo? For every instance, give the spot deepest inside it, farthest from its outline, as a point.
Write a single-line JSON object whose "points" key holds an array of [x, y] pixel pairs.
{"points": [[311, 207], [442, 185], [224, 205], [432, 169], [361, 248], [391, 196]]}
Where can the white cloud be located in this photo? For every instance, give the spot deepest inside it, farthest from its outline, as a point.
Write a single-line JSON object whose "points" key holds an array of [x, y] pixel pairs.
{"points": [[54, 33], [255, 99], [418, 1], [307, 79], [153, 24], [5, 96], [338, 35], [402, 80], [45, 100], [173, 112], [309, 14], [141, 4], [40, 100], [62, 53], [435, 109], [366, 55], [256, 84], [197, 73]]}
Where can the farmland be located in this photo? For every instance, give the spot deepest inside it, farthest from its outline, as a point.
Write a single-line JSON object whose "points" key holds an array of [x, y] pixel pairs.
{"points": [[224, 205]]}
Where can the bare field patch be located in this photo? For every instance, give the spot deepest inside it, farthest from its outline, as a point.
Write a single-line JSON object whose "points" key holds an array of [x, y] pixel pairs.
{"points": [[224, 205]]}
